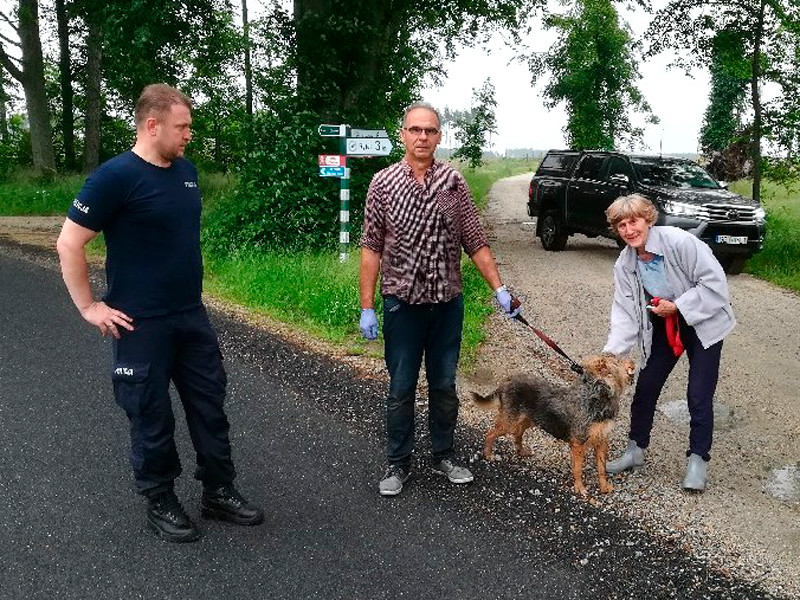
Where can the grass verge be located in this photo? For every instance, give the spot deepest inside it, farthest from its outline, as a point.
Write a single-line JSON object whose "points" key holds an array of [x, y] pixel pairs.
{"points": [[319, 295], [26, 194], [778, 261]]}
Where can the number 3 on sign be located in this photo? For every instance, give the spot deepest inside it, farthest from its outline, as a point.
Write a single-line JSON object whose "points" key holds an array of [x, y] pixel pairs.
{"points": [[368, 147]]}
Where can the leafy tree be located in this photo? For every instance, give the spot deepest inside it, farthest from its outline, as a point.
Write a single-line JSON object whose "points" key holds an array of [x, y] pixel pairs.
{"points": [[336, 61], [768, 30], [730, 73], [474, 125], [366, 60], [593, 71], [29, 71]]}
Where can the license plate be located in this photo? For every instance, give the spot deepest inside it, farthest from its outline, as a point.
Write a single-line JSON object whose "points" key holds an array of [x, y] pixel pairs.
{"points": [[731, 239]]}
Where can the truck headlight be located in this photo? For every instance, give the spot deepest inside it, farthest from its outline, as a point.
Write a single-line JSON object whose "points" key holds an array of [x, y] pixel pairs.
{"points": [[681, 209], [760, 214]]}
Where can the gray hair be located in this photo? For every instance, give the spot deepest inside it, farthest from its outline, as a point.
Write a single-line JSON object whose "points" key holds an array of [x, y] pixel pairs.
{"points": [[426, 106], [631, 207]]}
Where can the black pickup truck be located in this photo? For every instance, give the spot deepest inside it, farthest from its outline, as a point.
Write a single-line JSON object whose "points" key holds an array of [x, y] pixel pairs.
{"points": [[571, 190]]}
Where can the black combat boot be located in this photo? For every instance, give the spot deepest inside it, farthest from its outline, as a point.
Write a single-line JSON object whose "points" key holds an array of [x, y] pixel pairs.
{"points": [[227, 504], [165, 514]]}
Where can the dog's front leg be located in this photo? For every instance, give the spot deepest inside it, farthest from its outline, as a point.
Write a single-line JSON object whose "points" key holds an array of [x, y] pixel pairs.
{"points": [[488, 445], [578, 452], [600, 455]]}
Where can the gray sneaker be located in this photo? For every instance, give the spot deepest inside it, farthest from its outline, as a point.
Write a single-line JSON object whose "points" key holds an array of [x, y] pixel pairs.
{"points": [[455, 473], [393, 480]]}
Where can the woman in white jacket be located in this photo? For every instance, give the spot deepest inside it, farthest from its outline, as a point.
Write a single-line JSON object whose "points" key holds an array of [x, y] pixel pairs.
{"points": [[667, 281]]}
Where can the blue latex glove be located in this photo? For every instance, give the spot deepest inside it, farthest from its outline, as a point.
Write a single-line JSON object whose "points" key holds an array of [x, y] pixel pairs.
{"points": [[368, 323], [504, 299]]}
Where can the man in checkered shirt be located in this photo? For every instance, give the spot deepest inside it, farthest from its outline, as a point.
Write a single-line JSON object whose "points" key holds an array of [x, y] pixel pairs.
{"points": [[419, 215]]}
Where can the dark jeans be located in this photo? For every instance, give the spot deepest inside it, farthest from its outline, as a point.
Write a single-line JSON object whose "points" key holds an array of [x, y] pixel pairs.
{"points": [[703, 375], [412, 331], [182, 348]]}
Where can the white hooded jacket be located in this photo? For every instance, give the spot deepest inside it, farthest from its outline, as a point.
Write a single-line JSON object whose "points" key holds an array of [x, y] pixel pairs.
{"points": [[701, 292]]}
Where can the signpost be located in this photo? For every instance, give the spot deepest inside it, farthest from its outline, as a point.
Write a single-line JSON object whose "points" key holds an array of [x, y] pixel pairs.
{"points": [[368, 133], [332, 160], [369, 146], [332, 130], [332, 171], [360, 143]]}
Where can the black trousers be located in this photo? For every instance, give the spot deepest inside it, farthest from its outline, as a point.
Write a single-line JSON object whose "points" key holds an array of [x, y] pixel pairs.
{"points": [[703, 376], [182, 348]]}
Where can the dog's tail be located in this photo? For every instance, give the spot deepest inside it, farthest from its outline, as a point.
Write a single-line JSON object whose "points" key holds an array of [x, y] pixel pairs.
{"points": [[484, 402]]}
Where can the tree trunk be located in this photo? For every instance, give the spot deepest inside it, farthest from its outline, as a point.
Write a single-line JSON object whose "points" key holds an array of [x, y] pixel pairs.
{"points": [[65, 79], [756, 75], [3, 113], [248, 73], [94, 104], [34, 87]]}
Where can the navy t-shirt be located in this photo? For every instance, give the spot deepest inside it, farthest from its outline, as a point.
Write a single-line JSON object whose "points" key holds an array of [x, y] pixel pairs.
{"points": [[150, 217]]}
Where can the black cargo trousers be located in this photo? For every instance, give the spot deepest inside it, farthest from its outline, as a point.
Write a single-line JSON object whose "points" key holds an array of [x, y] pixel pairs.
{"points": [[183, 348]]}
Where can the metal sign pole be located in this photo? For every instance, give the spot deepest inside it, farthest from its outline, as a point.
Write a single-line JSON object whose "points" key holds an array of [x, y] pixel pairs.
{"points": [[344, 200], [364, 143]]}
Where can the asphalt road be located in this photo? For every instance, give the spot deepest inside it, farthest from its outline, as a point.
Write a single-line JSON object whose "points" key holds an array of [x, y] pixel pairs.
{"points": [[307, 438]]}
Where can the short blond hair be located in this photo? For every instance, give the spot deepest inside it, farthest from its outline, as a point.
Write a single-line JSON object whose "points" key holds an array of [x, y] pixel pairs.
{"points": [[631, 207], [155, 100]]}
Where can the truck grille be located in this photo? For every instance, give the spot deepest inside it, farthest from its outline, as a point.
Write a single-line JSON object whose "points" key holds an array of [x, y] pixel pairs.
{"points": [[727, 212]]}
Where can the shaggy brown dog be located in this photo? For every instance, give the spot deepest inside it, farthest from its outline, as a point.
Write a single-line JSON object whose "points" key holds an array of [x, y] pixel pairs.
{"points": [[581, 414]]}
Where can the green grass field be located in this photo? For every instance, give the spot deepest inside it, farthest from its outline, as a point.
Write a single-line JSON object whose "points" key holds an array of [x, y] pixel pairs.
{"points": [[26, 194], [779, 261]]}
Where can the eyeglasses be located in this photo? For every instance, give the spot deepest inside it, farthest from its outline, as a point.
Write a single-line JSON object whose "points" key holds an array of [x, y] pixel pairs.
{"points": [[418, 131]]}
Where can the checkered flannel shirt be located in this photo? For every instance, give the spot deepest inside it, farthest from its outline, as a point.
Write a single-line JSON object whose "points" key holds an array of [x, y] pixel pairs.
{"points": [[420, 229]]}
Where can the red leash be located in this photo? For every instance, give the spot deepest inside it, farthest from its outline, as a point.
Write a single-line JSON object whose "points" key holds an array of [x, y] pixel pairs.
{"points": [[515, 303], [673, 330]]}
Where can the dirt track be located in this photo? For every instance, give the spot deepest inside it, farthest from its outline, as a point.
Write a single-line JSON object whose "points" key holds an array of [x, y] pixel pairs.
{"points": [[568, 295]]}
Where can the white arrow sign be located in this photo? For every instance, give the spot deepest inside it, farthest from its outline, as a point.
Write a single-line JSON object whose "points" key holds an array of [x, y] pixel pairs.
{"points": [[368, 147], [368, 133]]}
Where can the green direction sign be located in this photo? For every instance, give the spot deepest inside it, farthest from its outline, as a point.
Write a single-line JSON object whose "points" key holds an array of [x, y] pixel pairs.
{"points": [[330, 130]]}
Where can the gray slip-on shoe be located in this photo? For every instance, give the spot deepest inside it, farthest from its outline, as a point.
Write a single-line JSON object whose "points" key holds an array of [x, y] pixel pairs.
{"points": [[632, 458], [696, 473]]}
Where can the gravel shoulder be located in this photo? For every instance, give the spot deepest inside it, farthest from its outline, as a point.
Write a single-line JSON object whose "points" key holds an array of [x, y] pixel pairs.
{"points": [[735, 525]]}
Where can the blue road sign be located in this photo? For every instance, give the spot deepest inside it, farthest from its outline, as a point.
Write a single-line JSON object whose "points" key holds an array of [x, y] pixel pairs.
{"points": [[331, 171]]}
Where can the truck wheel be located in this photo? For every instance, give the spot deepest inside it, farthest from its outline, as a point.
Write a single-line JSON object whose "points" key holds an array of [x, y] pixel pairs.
{"points": [[552, 233], [732, 265]]}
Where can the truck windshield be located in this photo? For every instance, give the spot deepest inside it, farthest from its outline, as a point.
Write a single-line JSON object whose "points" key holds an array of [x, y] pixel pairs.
{"points": [[672, 173]]}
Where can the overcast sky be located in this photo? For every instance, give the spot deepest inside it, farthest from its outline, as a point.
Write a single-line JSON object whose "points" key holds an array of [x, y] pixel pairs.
{"points": [[524, 122]]}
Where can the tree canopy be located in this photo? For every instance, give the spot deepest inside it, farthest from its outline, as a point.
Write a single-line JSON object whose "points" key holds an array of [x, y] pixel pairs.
{"points": [[593, 71]]}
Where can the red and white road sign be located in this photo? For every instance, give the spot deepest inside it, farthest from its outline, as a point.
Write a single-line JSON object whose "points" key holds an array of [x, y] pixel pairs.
{"points": [[332, 160]]}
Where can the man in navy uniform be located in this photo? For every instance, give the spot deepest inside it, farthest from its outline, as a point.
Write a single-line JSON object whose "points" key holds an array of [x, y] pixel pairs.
{"points": [[147, 204]]}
